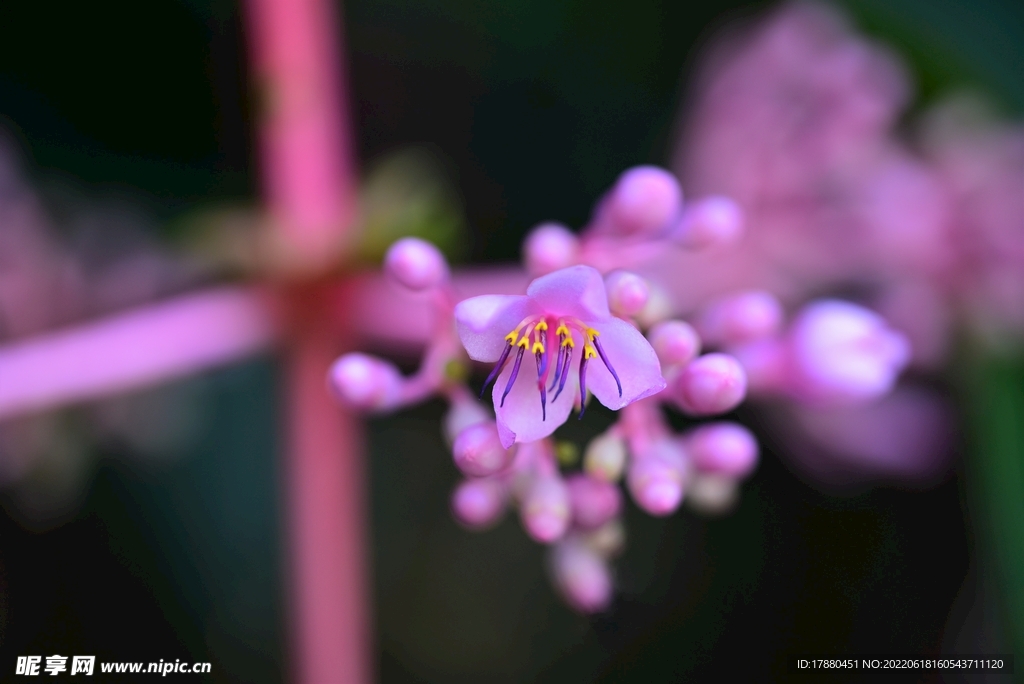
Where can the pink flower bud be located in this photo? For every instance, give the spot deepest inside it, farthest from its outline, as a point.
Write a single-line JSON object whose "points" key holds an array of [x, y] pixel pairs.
{"points": [[594, 502], [627, 292], [842, 352], [645, 200], [741, 318], [479, 503], [675, 342], [582, 576], [462, 414], [415, 264], [712, 493], [548, 248], [478, 451], [605, 457], [724, 448], [713, 383], [708, 222], [657, 479], [365, 382], [545, 509]]}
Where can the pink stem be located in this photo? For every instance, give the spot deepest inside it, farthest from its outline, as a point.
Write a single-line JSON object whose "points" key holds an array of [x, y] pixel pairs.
{"points": [[132, 350], [329, 587], [308, 162]]}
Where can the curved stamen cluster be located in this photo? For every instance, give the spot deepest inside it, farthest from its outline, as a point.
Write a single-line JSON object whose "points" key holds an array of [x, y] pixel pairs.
{"points": [[536, 328]]}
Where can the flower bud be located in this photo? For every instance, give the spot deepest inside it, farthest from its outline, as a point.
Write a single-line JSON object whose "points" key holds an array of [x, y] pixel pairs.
{"points": [[713, 383], [365, 382], [605, 457], [712, 493], [545, 509], [415, 264], [550, 247], [741, 318], [675, 342], [594, 502], [461, 415], [709, 222], [582, 576], [842, 352], [479, 503], [478, 451], [644, 201], [627, 292], [724, 448], [658, 478], [608, 540]]}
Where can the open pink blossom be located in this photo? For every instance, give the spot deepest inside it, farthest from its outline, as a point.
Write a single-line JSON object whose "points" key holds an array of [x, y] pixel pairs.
{"points": [[563, 321]]}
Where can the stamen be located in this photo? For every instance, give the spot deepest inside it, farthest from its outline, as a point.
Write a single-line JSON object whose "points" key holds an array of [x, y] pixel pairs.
{"points": [[515, 372], [558, 367], [583, 382], [543, 401], [497, 367], [565, 371], [608, 365]]}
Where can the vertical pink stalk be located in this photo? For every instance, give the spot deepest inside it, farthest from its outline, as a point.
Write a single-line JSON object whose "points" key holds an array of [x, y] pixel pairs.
{"points": [[310, 191], [326, 505], [306, 149]]}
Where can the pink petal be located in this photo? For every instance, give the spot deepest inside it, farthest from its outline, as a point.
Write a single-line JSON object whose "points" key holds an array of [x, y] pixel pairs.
{"points": [[484, 321], [575, 291], [632, 357], [520, 419]]}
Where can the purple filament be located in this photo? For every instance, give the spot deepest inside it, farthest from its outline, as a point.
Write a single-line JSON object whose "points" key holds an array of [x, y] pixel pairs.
{"points": [[512, 378], [497, 368], [597, 344]]}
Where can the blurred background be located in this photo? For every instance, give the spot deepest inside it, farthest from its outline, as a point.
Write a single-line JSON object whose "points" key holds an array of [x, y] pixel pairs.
{"points": [[148, 526]]}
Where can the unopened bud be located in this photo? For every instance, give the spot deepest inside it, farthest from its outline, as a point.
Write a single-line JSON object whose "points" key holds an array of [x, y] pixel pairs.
{"points": [[675, 342], [712, 493], [461, 415], [545, 509], [627, 293], [478, 451], [594, 502], [479, 503], [415, 264], [582, 576], [724, 448], [709, 222], [741, 318], [645, 200], [713, 383], [550, 247], [657, 480], [605, 457], [840, 352], [365, 382]]}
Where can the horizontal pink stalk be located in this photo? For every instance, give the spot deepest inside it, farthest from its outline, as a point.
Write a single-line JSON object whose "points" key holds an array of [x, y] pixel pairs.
{"points": [[192, 333], [135, 349]]}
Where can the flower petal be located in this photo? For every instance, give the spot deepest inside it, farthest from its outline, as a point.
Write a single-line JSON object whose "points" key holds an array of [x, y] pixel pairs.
{"points": [[575, 291], [484, 321], [634, 360], [520, 419]]}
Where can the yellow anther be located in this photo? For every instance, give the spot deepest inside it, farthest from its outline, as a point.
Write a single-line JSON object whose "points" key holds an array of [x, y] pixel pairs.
{"points": [[589, 352], [538, 348], [542, 326], [562, 330], [523, 341], [512, 336], [567, 342], [591, 333]]}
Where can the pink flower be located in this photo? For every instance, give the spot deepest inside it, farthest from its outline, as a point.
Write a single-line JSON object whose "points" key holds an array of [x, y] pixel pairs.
{"points": [[564, 316]]}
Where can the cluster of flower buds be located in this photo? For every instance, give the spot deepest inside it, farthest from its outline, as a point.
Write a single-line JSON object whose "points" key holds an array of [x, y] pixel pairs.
{"points": [[578, 333]]}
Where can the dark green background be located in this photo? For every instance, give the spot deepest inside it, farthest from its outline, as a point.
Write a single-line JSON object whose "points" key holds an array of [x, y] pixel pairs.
{"points": [[536, 107]]}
